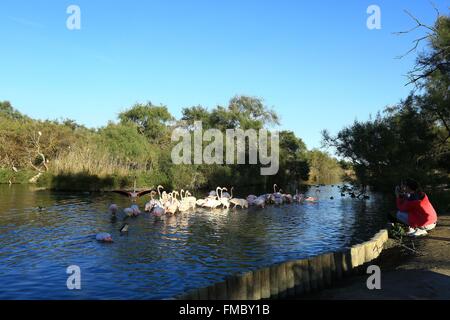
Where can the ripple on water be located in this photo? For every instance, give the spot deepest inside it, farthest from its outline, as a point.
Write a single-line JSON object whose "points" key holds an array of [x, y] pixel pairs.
{"points": [[160, 258]]}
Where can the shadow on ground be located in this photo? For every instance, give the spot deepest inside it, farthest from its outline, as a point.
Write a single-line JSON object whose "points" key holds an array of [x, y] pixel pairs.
{"points": [[407, 284]]}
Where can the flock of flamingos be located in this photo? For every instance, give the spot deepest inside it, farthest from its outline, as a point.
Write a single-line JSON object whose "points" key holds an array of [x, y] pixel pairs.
{"points": [[167, 203]]}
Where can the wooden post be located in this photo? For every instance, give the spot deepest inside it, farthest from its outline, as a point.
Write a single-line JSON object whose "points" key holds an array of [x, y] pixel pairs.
{"points": [[315, 273], [257, 285], [273, 282], [326, 269], [282, 281], [203, 293], [248, 280], [221, 290], [338, 258], [212, 292], [290, 280], [370, 253], [192, 295], [358, 255], [265, 283], [236, 288]]}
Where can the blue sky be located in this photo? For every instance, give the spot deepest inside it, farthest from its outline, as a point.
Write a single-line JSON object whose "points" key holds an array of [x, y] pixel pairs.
{"points": [[315, 62]]}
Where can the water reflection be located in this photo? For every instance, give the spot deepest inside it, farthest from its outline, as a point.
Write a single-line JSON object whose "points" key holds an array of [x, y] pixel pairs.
{"points": [[160, 258]]}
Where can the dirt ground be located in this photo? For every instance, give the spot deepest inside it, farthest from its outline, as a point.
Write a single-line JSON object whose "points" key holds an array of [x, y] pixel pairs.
{"points": [[410, 269]]}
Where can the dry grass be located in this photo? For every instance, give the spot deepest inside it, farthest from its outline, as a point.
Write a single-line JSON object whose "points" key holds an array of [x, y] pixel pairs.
{"points": [[89, 160]]}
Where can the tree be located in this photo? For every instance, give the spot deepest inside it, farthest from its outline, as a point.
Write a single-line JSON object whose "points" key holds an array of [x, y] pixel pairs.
{"points": [[294, 167], [324, 169], [151, 121], [390, 147], [196, 113], [125, 143], [7, 111], [412, 138]]}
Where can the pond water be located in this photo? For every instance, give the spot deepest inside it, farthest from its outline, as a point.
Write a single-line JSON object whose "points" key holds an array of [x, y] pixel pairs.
{"points": [[160, 259]]}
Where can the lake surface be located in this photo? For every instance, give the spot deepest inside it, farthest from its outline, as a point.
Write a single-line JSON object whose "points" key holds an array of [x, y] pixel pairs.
{"points": [[160, 259]]}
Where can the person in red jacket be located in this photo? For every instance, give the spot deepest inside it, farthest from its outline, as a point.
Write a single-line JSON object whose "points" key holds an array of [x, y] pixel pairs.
{"points": [[415, 210]]}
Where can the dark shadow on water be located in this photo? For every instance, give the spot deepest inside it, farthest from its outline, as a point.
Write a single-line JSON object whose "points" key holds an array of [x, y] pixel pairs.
{"points": [[86, 182]]}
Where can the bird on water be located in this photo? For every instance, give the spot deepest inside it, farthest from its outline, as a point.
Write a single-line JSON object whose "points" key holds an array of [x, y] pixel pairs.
{"points": [[134, 195]]}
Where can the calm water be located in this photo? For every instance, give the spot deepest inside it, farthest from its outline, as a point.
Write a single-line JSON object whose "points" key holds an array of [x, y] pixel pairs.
{"points": [[160, 259]]}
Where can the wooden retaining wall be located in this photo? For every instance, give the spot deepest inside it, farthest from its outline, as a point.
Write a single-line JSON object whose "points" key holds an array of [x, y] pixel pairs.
{"points": [[293, 278]]}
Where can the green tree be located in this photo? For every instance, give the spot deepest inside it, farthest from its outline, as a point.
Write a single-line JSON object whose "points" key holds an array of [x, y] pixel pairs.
{"points": [[324, 169], [411, 139], [151, 121]]}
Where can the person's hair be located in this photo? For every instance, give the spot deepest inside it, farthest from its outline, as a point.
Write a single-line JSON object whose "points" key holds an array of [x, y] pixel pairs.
{"points": [[413, 185]]}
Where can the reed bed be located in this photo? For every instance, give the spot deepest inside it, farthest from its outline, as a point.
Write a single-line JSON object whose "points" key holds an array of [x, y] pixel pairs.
{"points": [[90, 160]]}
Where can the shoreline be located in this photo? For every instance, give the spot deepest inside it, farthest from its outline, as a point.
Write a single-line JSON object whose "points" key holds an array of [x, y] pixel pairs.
{"points": [[419, 273]]}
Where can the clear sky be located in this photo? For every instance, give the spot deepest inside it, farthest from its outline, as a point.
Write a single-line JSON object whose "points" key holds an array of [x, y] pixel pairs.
{"points": [[315, 62]]}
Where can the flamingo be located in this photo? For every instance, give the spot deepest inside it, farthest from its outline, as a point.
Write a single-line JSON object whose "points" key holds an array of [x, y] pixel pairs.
{"points": [[184, 205], [243, 203], [313, 199], [113, 208], [299, 197], [212, 194], [200, 202], [275, 193], [251, 199], [288, 198], [104, 237], [129, 212], [213, 202], [133, 194], [158, 211], [152, 203], [173, 204], [224, 200], [225, 194], [260, 201], [163, 197], [277, 196], [136, 210], [239, 202], [190, 199], [278, 201]]}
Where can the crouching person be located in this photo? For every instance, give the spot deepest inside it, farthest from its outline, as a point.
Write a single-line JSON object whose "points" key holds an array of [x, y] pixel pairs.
{"points": [[415, 210]]}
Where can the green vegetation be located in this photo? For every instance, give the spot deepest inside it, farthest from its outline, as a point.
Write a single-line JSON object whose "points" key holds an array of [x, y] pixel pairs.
{"points": [[411, 139], [323, 168], [64, 155]]}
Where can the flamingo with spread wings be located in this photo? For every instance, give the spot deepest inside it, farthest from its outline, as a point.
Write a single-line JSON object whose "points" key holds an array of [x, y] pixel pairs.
{"points": [[134, 195]]}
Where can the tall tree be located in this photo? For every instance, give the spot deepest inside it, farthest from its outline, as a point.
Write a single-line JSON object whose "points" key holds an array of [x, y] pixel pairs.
{"points": [[151, 120]]}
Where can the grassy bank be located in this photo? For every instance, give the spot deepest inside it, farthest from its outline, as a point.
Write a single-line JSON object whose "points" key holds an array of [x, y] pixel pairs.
{"points": [[21, 177], [81, 181]]}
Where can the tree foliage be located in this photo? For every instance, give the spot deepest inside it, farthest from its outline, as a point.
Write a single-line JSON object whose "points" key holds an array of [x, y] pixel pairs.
{"points": [[139, 145], [411, 139]]}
